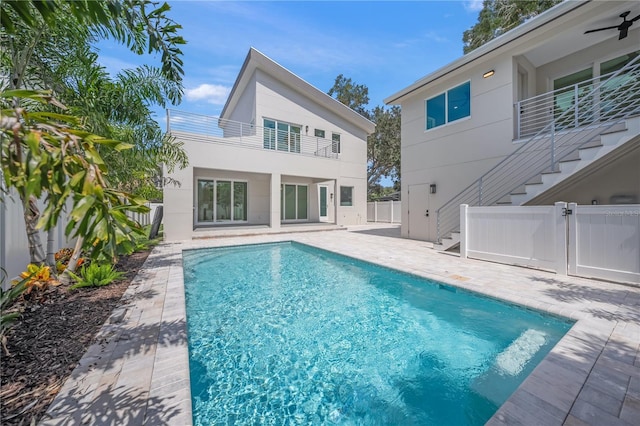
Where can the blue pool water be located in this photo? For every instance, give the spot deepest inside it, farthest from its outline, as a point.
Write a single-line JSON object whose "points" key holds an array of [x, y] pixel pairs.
{"points": [[287, 334]]}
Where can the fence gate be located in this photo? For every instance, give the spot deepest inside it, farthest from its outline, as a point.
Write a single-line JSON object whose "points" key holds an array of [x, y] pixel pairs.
{"points": [[600, 241], [604, 242]]}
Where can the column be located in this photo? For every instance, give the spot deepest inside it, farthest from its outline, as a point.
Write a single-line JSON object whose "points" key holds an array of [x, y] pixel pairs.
{"points": [[274, 220]]}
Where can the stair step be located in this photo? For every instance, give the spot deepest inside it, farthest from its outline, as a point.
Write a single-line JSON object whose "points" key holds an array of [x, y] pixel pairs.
{"points": [[574, 156], [448, 243], [619, 127], [534, 181]]}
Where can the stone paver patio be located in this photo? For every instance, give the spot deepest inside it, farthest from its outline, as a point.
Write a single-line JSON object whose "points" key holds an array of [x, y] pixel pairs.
{"points": [[137, 372]]}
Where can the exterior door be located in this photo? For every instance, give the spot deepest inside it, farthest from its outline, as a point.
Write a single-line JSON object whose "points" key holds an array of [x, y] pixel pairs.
{"points": [[419, 214], [323, 204]]}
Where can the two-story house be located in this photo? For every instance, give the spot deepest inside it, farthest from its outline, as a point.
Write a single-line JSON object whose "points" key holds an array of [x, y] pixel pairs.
{"points": [[281, 152], [549, 111]]}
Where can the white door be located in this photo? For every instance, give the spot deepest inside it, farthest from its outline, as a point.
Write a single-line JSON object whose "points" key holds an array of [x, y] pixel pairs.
{"points": [[419, 214], [322, 202]]}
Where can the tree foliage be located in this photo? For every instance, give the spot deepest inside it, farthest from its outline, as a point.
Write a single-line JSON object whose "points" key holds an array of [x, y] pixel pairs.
{"points": [[58, 158], [355, 96], [140, 24], [383, 150], [46, 155], [499, 16], [383, 146]]}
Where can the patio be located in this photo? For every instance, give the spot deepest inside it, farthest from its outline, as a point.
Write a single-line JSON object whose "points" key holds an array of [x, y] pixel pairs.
{"points": [[137, 371]]}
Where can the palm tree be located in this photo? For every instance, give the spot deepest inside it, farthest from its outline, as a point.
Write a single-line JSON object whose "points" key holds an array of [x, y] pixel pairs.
{"points": [[46, 45]]}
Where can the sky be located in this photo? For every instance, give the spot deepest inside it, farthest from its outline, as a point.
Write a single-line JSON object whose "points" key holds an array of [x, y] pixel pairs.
{"points": [[384, 45]]}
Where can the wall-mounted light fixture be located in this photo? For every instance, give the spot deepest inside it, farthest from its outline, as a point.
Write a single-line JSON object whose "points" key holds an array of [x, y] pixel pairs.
{"points": [[306, 129], [488, 74], [331, 196], [432, 188]]}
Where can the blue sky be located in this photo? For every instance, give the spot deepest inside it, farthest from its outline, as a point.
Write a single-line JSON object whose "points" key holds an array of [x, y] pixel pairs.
{"points": [[385, 45]]}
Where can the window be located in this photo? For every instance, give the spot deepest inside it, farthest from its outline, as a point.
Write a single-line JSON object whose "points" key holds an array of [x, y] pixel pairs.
{"points": [[230, 201], [335, 143], [346, 195], [564, 98], [281, 136], [449, 106], [319, 133], [619, 84]]}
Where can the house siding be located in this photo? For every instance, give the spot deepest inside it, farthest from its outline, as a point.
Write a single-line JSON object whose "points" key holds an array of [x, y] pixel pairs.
{"points": [[454, 155]]}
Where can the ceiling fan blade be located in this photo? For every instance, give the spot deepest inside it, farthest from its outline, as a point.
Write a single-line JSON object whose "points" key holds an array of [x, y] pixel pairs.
{"points": [[623, 32], [601, 29], [634, 19]]}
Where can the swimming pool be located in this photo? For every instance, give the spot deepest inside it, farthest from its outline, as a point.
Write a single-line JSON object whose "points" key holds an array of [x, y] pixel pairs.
{"points": [[289, 334]]}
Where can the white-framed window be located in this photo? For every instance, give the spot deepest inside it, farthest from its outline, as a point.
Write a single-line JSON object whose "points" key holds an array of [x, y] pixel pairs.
{"points": [[294, 201], [346, 195], [281, 136], [449, 106], [318, 133], [221, 200], [335, 143]]}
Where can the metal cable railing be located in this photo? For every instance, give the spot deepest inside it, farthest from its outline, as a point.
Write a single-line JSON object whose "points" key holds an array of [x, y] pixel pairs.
{"points": [[608, 103], [205, 128]]}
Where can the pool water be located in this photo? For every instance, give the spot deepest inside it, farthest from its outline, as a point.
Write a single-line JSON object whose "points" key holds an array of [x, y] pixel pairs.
{"points": [[287, 334]]}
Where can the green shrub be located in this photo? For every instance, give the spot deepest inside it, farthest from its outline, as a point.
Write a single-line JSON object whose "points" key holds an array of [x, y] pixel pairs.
{"points": [[9, 316], [95, 275]]}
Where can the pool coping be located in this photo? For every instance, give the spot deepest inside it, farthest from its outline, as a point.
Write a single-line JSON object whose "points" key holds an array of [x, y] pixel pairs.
{"points": [[137, 371]]}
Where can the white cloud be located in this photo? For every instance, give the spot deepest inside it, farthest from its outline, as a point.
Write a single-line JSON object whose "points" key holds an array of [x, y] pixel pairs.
{"points": [[473, 5], [212, 93]]}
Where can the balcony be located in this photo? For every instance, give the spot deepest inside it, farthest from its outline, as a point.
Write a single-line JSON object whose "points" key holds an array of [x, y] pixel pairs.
{"points": [[212, 129], [583, 104]]}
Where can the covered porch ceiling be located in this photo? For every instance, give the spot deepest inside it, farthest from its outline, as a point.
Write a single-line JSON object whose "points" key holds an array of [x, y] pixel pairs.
{"points": [[571, 37]]}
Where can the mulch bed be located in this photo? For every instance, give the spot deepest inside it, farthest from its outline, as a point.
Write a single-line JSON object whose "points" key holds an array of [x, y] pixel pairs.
{"points": [[46, 344]]}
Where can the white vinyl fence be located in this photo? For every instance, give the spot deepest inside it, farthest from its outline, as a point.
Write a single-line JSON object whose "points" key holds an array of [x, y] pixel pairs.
{"points": [[384, 211], [14, 246], [589, 241]]}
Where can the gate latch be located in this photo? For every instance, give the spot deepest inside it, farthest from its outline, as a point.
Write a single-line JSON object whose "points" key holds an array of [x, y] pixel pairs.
{"points": [[566, 211]]}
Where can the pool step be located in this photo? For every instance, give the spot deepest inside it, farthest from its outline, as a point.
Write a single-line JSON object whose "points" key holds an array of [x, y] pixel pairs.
{"points": [[494, 383]]}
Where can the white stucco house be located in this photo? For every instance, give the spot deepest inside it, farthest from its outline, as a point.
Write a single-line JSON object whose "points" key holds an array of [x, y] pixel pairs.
{"points": [[281, 152], [549, 111]]}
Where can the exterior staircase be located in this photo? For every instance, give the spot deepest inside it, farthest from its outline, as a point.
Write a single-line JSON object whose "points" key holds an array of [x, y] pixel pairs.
{"points": [[604, 118]]}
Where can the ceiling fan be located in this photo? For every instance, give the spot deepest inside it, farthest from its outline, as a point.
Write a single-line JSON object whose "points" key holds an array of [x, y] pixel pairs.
{"points": [[623, 27]]}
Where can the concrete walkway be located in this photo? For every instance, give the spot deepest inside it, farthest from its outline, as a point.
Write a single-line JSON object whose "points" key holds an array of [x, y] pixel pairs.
{"points": [[137, 371]]}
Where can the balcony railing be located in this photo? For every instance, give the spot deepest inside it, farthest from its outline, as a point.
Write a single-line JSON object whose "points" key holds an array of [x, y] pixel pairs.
{"points": [[567, 105], [217, 130]]}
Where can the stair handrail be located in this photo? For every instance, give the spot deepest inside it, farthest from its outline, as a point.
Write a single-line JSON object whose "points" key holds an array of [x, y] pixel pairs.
{"points": [[473, 194]]}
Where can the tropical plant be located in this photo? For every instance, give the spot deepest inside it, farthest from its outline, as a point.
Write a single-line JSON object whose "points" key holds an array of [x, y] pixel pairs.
{"points": [[47, 156], [46, 45], [37, 278], [8, 314], [63, 257], [95, 275]]}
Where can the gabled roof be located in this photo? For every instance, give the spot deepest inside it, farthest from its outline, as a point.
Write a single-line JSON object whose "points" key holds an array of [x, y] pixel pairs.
{"points": [[480, 53], [257, 60]]}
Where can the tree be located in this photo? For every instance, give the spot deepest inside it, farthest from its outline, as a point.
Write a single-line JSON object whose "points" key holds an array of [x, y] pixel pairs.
{"points": [[499, 16], [383, 149], [355, 96], [45, 45], [46, 154], [383, 146]]}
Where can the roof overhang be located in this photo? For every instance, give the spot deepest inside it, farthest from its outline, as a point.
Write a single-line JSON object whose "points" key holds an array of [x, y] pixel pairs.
{"points": [[257, 60], [564, 23]]}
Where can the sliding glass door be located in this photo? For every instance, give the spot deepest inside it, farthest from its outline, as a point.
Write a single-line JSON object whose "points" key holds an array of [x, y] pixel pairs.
{"points": [[293, 202], [230, 201]]}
